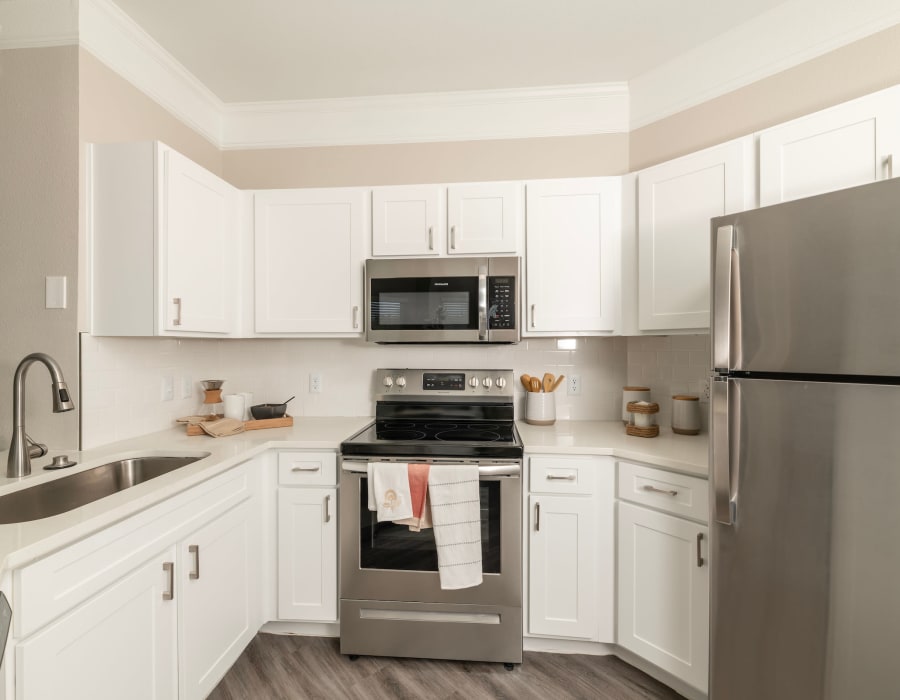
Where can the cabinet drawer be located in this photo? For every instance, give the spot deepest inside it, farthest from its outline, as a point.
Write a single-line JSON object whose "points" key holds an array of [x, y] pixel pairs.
{"points": [[49, 587], [566, 475], [307, 468], [682, 495]]}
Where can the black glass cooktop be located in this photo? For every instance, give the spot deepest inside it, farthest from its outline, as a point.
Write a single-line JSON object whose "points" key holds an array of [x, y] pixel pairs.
{"points": [[404, 438]]}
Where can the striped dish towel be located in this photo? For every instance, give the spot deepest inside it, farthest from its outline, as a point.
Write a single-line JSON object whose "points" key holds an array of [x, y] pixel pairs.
{"points": [[456, 515]]}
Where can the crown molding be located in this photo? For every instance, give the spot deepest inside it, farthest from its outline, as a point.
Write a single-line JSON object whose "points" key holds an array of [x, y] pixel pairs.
{"points": [[784, 37], [38, 23]]}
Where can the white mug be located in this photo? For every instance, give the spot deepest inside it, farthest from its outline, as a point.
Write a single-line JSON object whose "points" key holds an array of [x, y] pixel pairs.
{"points": [[234, 406]]}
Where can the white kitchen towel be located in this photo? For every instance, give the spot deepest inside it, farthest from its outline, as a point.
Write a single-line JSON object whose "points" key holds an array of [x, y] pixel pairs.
{"points": [[389, 490], [456, 516]]}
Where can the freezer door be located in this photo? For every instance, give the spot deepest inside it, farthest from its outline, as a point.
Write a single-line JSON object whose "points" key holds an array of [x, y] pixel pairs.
{"points": [[811, 285], [804, 598]]}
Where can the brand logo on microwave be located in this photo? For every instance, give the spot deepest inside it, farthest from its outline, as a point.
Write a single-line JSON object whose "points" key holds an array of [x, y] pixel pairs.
{"points": [[441, 284]]}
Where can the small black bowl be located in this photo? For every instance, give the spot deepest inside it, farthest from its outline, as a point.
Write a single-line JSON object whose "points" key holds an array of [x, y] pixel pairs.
{"points": [[268, 410]]}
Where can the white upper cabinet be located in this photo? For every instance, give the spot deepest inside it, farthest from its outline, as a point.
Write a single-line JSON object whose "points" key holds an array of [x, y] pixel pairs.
{"points": [[407, 220], [676, 201], [572, 246], [163, 244], [847, 145], [478, 218], [484, 218], [309, 260]]}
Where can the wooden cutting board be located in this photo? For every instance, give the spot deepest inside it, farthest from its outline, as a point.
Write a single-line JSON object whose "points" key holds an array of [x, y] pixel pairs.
{"points": [[283, 422]]}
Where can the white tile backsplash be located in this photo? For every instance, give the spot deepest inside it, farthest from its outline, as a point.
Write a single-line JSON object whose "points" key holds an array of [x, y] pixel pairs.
{"points": [[121, 377]]}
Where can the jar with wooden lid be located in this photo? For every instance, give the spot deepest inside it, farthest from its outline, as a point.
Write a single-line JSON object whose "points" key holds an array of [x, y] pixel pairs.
{"points": [[686, 414]]}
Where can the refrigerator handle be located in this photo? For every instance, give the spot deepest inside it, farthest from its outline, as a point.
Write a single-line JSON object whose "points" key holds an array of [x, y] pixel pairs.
{"points": [[720, 451], [721, 341]]}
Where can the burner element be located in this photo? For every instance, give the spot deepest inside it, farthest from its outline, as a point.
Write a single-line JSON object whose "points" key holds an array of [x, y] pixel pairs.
{"points": [[467, 435], [390, 434]]}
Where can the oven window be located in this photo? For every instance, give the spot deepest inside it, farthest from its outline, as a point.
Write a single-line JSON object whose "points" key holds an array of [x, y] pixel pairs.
{"points": [[388, 546], [425, 303]]}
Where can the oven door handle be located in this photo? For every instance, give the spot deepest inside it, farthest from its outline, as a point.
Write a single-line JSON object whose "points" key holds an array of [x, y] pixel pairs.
{"points": [[483, 469]]}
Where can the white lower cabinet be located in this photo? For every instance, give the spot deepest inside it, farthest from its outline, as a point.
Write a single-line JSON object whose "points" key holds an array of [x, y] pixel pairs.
{"points": [[120, 644], [571, 548], [157, 606], [307, 537], [663, 590]]}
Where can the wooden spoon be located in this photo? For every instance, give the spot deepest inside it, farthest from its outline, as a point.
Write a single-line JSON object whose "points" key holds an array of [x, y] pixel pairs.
{"points": [[547, 382], [558, 381], [535, 384], [526, 381]]}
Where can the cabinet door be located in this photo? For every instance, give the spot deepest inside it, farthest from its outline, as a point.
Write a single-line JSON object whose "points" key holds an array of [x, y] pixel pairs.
{"points": [[851, 144], [407, 220], [119, 644], [217, 571], [198, 248], [664, 592], [309, 260], [484, 218], [307, 554], [676, 200], [573, 247], [562, 580]]}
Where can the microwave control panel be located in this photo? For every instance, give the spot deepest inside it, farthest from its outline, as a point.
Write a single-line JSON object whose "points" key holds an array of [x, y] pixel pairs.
{"points": [[501, 302]]}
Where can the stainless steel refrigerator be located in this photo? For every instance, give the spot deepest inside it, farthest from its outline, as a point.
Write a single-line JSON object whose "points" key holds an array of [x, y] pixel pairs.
{"points": [[805, 449]]}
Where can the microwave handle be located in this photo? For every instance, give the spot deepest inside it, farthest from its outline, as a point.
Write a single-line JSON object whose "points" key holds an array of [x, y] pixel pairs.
{"points": [[482, 302]]}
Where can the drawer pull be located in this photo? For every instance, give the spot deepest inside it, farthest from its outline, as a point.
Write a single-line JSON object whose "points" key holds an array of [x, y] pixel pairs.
{"points": [[169, 568], [306, 469], [648, 487], [537, 517], [700, 560], [557, 477], [194, 550], [327, 514]]}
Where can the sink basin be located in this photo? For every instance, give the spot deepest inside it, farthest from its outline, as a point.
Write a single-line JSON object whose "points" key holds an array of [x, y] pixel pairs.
{"points": [[62, 495]]}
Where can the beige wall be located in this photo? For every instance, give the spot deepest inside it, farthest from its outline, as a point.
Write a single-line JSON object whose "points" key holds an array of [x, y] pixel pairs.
{"points": [[854, 70], [111, 109], [38, 231], [396, 164]]}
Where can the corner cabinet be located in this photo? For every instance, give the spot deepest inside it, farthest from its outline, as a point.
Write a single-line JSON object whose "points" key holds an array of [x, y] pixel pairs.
{"points": [[482, 218], [163, 244], [663, 565], [850, 144], [571, 547], [572, 256], [676, 200], [309, 261]]}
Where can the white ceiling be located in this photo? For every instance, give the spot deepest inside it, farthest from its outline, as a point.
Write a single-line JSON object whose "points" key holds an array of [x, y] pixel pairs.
{"points": [[275, 50]]}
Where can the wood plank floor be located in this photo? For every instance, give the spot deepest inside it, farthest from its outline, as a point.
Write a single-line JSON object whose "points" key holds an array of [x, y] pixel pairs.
{"points": [[287, 667]]}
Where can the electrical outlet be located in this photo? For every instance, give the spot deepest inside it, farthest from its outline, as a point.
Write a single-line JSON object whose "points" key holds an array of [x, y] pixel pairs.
{"points": [[315, 383], [187, 387], [573, 384], [706, 388], [167, 388]]}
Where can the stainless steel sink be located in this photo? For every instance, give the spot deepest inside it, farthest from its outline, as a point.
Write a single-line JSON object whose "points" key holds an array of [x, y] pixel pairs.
{"points": [[62, 495]]}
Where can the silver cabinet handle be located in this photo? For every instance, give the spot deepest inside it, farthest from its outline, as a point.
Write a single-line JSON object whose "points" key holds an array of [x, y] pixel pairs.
{"points": [[532, 315], [194, 549], [177, 302], [356, 317], [453, 238], [721, 337], [537, 517], [556, 477], [306, 469], [887, 164], [668, 492], [431, 238], [327, 514], [700, 560], [169, 568]]}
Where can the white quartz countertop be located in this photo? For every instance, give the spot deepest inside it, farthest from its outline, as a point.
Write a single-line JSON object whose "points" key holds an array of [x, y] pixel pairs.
{"points": [[683, 453]]}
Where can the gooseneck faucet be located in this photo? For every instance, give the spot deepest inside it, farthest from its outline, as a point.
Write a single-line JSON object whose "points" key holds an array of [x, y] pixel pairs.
{"points": [[21, 447]]}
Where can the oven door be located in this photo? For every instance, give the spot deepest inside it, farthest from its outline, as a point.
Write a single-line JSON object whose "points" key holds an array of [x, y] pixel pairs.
{"points": [[387, 562]]}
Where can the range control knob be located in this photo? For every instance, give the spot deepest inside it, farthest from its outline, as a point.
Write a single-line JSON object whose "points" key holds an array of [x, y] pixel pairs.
{"points": [[401, 381], [473, 382], [389, 381], [487, 382], [501, 382]]}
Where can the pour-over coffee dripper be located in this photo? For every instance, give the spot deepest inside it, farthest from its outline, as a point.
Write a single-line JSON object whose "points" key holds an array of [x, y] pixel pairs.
{"points": [[212, 407]]}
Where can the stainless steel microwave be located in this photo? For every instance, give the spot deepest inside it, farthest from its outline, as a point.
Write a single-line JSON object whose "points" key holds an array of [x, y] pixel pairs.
{"points": [[442, 300]]}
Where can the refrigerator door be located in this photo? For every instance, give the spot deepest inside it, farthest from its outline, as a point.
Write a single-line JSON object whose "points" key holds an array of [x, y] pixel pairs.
{"points": [[805, 579], [810, 286]]}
